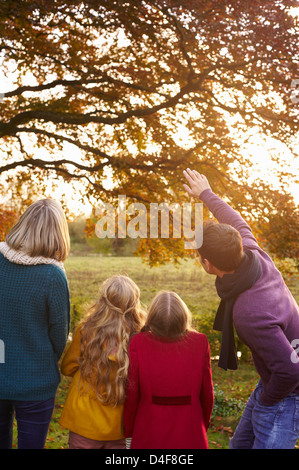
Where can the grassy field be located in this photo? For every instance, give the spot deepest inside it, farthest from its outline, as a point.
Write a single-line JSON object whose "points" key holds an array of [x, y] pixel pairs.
{"points": [[85, 275]]}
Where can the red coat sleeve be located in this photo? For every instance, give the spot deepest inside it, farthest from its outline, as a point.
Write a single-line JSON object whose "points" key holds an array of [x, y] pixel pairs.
{"points": [[207, 392], [132, 392]]}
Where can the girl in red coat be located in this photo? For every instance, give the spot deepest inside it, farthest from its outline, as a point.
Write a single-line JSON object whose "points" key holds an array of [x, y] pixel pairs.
{"points": [[170, 391]]}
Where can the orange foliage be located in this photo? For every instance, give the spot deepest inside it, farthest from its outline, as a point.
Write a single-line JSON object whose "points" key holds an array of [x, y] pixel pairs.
{"points": [[7, 219]]}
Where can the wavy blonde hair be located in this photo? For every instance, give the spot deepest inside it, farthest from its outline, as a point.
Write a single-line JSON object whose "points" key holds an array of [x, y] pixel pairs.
{"points": [[105, 335], [168, 316], [41, 231]]}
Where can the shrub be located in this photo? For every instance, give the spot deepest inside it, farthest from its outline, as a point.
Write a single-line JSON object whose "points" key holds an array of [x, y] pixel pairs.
{"points": [[226, 406]]}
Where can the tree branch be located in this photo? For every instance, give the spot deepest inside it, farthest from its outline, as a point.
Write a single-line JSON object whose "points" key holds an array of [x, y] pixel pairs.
{"points": [[105, 78]]}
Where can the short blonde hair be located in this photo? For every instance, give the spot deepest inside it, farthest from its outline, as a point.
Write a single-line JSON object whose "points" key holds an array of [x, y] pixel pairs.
{"points": [[168, 315], [41, 231]]}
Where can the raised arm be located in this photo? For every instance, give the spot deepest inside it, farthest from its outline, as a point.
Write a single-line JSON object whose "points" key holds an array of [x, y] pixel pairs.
{"points": [[199, 187]]}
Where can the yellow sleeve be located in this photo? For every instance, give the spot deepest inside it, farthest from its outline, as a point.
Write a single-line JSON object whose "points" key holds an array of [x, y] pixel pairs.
{"points": [[70, 365]]}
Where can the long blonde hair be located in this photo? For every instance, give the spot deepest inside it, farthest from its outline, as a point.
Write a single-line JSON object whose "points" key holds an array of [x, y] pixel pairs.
{"points": [[42, 230], [105, 335], [168, 316]]}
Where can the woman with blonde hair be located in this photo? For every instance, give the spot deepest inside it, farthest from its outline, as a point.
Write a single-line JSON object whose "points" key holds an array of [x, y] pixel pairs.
{"points": [[34, 321], [170, 391], [98, 361]]}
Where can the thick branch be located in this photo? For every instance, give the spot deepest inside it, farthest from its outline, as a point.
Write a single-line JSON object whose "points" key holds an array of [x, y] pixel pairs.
{"points": [[105, 78], [109, 159], [114, 161]]}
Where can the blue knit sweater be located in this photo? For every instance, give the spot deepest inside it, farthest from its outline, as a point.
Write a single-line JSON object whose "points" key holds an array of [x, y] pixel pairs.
{"points": [[34, 325]]}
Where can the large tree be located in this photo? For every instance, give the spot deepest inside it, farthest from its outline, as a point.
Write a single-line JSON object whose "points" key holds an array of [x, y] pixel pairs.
{"points": [[145, 88]]}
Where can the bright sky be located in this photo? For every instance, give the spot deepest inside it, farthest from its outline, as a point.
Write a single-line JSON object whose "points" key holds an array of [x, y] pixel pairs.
{"points": [[266, 168]]}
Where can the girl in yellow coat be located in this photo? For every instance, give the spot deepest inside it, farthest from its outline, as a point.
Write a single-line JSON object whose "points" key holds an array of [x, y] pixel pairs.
{"points": [[97, 359]]}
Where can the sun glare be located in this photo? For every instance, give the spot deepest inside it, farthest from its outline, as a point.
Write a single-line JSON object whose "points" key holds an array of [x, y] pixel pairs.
{"points": [[269, 158]]}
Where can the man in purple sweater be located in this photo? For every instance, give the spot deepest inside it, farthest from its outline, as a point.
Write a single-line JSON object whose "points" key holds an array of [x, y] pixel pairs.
{"points": [[255, 299]]}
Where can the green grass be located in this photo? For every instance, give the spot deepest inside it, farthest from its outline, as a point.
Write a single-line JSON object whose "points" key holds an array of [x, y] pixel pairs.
{"points": [[85, 275]]}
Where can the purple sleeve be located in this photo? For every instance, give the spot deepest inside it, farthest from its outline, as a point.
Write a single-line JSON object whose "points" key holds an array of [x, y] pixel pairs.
{"points": [[226, 215], [273, 351]]}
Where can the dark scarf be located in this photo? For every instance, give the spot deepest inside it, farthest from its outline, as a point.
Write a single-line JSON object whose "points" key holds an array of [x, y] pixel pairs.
{"points": [[229, 287]]}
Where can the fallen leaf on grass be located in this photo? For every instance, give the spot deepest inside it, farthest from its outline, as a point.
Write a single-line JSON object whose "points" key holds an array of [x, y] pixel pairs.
{"points": [[228, 429], [216, 443], [223, 429]]}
